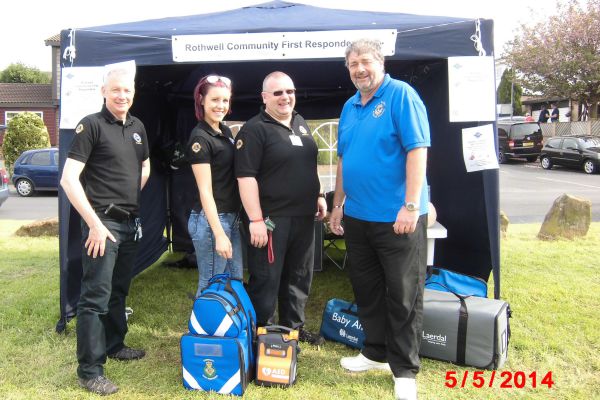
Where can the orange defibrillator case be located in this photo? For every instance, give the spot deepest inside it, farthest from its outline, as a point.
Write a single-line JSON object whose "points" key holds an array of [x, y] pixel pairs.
{"points": [[277, 353]]}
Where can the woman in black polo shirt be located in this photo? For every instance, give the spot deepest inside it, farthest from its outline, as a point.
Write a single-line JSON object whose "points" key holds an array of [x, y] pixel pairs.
{"points": [[214, 221]]}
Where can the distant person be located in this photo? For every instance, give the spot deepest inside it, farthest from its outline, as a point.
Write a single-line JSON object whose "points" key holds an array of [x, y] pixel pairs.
{"points": [[214, 220], [555, 115], [544, 115], [528, 117], [110, 152], [276, 168]]}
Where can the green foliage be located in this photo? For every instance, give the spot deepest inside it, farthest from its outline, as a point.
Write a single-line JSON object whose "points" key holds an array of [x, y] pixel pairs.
{"points": [[25, 131], [21, 73], [559, 57], [506, 87], [552, 288]]}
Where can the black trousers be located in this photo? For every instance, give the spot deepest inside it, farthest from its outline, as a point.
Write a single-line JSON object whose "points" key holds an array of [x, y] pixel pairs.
{"points": [[105, 281], [387, 272], [287, 281]]}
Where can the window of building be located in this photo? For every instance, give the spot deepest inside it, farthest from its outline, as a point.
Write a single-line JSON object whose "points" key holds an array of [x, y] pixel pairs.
{"points": [[8, 115]]}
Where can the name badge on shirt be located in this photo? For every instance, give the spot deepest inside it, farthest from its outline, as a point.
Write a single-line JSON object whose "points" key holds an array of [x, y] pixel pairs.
{"points": [[296, 141]]}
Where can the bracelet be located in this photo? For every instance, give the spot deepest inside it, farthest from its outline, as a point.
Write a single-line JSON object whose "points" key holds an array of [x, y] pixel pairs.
{"points": [[256, 220], [322, 195], [338, 206]]}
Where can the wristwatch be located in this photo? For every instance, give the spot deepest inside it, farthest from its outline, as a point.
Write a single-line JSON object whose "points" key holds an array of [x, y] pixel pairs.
{"points": [[410, 206]]}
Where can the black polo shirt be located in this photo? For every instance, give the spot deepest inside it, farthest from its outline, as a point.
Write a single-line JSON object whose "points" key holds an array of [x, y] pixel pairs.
{"points": [[207, 146], [286, 173], [112, 152]]}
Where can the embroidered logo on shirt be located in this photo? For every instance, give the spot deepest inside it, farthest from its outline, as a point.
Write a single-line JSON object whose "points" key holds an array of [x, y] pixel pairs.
{"points": [[379, 110], [79, 128], [239, 144], [196, 147], [303, 130], [138, 139]]}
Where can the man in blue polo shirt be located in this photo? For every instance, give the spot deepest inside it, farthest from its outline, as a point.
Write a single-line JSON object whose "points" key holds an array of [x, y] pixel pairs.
{"points": [[381, 191]]}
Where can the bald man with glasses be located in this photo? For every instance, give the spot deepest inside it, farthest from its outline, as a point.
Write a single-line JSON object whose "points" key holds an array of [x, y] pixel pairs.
{"points": [[276, 168]]}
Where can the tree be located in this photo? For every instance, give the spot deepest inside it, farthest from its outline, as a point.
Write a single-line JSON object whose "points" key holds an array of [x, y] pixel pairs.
{"points": [[507, 86], [21, 73], [560, 57], [25, 131]]}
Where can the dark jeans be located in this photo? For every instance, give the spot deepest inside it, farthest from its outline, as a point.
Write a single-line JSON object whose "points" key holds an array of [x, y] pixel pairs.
{"points": [[101, 323], [387, 272], [287, 281]]}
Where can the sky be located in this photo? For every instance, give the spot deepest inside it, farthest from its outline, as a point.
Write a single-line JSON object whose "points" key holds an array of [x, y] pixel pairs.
{"points": [[22, 32]]}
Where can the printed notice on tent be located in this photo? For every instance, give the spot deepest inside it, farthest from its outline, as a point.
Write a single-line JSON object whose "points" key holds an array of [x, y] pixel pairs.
{"points": [[275, 45], [471, 89], [479, 151], [81, 91], [80, 94]]}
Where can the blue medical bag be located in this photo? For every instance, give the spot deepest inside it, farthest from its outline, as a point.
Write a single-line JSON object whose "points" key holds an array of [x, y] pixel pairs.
{"points": [[340, 323], [219, 364]]}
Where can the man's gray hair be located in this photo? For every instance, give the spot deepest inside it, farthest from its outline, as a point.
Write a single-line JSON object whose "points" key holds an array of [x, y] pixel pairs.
{"points": [[365, 45], [124, 72]]}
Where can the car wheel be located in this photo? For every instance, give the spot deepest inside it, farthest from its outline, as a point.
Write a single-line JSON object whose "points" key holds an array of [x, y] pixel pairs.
{"points": [[545, 162], [589, 167], [24, 187], [501, 158], [532, 158]]}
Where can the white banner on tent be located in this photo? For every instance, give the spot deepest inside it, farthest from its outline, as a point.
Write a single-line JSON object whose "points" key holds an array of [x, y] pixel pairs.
{"points": [[274, 45]]}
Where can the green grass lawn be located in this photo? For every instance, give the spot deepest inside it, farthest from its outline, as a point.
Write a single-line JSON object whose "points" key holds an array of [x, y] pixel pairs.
{"points": [[553, 289]]}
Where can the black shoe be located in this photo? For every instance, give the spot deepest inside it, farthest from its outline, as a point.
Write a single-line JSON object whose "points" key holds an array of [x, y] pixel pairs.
{"points": [[127, 353], [99, 385], [311, 338]]}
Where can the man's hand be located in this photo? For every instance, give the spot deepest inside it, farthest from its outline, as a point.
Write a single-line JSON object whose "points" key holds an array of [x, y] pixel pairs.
{"points": [[96, 240], [406, 221], [258, 234], [335, 221], [321, 208]]}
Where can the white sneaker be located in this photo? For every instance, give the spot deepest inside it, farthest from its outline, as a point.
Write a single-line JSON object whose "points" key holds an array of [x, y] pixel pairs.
{"points": [[405, 388], [362, 363]]}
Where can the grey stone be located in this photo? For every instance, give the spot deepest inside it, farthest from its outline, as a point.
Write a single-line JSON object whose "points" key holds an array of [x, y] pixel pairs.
{"points": [[569, 217]]}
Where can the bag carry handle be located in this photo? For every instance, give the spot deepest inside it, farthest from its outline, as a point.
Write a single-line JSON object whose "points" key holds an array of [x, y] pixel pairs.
{"points": [[349, 309], [277, 328], [463, 319]]}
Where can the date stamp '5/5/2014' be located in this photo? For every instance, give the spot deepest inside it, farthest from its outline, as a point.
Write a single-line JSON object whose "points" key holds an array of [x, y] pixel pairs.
{"points": [[504, 379]]}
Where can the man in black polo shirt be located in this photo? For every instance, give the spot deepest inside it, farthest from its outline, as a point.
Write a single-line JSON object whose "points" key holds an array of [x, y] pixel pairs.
{"points": [[110, 153], [276, 167]]}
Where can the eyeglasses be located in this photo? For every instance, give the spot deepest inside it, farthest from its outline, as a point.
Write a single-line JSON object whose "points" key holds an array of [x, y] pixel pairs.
{"points": [[212, 79], [277, 93]]}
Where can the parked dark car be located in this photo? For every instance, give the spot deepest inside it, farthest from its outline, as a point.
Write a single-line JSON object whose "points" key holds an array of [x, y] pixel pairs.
{"points": [[572, 151], [3, 184], [519, 139], [36, 170]]}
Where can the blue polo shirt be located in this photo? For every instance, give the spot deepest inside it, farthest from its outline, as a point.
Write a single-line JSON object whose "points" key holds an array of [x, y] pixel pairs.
{"points": [[373, 141]]}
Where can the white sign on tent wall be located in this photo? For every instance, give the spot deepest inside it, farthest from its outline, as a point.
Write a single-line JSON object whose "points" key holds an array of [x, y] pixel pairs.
{"points": [[479, 151], [80, 94], [472, 92], [80, 91], [274, 45]]}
